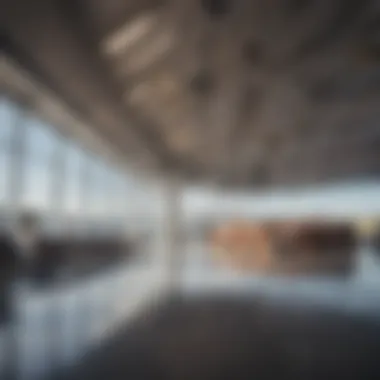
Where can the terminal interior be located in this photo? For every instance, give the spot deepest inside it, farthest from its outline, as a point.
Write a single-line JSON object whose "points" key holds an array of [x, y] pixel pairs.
{"points": [[189, 189]]}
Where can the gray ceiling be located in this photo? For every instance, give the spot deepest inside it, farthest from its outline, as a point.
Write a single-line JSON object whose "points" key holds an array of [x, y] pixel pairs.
{"points": [[251, 93]]}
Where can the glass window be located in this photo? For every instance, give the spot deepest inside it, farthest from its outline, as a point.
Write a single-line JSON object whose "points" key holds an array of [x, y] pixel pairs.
{"points": [[4, 176], [114, 203], [107, 189], [92, 184], [36, 192], [98, 186], [8, 114], [40, 140], [40, 143], [86, 179], [121, 194], [74, 187], [58, 167]]}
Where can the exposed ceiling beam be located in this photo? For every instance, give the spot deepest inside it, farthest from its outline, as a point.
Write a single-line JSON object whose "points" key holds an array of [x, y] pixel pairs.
{"points": [[21, 86], [145, 129], [112, 15], [41, 30]]}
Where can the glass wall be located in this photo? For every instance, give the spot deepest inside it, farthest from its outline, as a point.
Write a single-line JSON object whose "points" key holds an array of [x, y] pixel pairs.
{"points": [[40, 143], [8, 115], [41, 170], [73, 195]]}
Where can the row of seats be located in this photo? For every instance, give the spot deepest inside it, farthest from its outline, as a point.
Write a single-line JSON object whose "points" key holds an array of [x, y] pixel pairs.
{"points": [[287, 247], [54, 258], [57, 260]]}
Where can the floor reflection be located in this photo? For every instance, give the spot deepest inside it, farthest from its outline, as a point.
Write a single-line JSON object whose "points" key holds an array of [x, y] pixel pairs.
{"points": [[359, 292]]}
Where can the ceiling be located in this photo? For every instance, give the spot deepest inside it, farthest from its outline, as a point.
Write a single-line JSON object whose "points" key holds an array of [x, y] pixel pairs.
{"points": [[243, 93]]}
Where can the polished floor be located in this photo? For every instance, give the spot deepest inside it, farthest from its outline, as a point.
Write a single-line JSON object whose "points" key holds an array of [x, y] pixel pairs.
{"points": [[55, 327]]}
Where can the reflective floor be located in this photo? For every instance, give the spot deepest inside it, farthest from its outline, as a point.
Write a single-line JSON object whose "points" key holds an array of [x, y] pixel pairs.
{"points": [[55, 327], [360, 292]]}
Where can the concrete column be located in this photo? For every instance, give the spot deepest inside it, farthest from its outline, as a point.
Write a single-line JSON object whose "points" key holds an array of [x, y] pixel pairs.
{"points": [[171, 230]]}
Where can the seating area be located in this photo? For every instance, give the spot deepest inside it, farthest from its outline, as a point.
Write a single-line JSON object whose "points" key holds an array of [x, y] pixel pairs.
{"points": [[286, 247], [71, 258], [75, 294]]}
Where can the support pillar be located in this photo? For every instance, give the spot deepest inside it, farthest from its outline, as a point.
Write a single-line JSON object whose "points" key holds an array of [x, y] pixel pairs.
{"points": [[171, 236]]}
